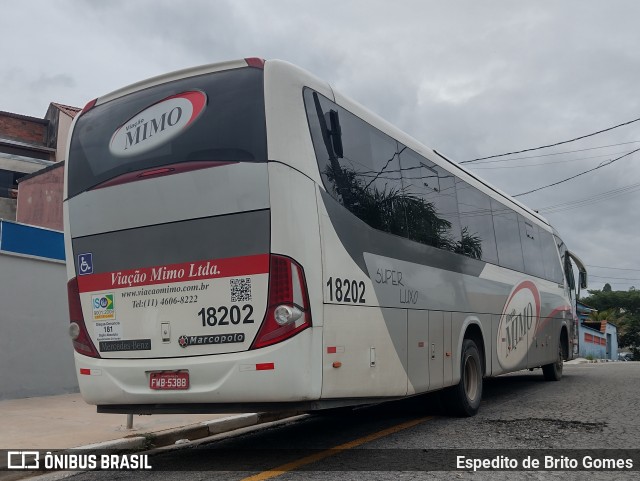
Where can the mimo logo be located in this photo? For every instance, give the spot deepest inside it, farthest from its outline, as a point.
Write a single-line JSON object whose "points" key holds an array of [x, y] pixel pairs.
{"points": [[157, 124], [23, 460], [518, 324]]}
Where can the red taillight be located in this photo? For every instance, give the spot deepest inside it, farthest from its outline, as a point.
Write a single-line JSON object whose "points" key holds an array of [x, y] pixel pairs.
{"points": [[255, 62], [280, 285], [163, 171], [89, 106], [287, 295], [177, 168], [82, 342]]}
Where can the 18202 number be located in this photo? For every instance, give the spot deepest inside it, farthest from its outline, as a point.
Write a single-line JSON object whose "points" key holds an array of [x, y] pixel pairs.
{"points": [[346, 290], [224, 315]]}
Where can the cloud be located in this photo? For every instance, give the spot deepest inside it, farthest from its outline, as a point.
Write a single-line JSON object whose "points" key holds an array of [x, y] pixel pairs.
{"points": [[52, 82], [468, 78]]}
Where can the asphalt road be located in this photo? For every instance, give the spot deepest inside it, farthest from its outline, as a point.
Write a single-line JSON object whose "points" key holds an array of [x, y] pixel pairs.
{"points": [[593, 407]]}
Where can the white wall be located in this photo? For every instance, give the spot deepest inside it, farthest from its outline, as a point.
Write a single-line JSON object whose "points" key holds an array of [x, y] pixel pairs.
{"points": [[36, 354], [64, 125], [7, 208]]}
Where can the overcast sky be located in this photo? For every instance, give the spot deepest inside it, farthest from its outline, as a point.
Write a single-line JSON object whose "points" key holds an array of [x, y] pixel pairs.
{"points": [[468, 78]]}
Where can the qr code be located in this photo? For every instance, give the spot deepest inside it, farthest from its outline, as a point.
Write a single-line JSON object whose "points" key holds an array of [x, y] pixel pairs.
{"points": [[240, 289]]}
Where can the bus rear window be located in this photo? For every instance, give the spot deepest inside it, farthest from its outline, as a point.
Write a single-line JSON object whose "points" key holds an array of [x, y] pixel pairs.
{"points": [[212, 117]]}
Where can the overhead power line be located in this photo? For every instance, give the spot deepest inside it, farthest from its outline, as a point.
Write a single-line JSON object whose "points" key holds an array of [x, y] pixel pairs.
{"points": [[558, 153], [614, 268], [553, 162], [614, 284], [618, 278], [594, 199], [601, 165], [551, 145]]}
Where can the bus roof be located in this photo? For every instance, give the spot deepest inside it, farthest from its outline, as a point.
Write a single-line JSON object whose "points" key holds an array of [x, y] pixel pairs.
{"points": [[178, 74]]}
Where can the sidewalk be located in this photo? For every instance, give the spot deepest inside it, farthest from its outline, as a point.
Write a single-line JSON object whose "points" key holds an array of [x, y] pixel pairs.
{"points": [[66, 421]]}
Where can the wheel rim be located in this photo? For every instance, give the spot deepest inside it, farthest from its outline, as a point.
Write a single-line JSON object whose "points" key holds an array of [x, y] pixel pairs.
{"points": [[471, 378]]}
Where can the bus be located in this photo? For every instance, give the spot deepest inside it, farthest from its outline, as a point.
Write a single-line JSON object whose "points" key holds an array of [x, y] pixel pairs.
{"points": [[240, 237]]}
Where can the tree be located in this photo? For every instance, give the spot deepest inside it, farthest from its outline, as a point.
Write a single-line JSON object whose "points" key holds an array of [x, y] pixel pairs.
{"points": [[626, 306], [611, 315], [606, 288], [631, 338], [627, 300], [392, 210]]}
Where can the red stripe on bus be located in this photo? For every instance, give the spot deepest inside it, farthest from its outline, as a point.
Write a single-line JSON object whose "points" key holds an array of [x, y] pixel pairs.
{"points": [[556, 313], [170, 169], [168, 274], [265, 366]]}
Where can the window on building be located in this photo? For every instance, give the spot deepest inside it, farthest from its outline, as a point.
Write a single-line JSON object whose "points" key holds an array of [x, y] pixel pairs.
{"points": [[9, 182], [25, 152]]}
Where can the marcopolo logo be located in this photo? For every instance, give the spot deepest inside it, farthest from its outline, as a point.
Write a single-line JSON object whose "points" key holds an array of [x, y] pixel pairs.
{"points": [[103, 307], [185, 341], [157, 124], [518, 324]]}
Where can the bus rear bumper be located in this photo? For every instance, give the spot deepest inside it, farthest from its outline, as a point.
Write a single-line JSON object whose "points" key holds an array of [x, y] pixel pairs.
{"points": [[281, 373]]}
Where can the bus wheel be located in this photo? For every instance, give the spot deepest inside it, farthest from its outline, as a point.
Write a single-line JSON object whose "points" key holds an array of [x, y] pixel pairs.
{"points": [[464, 398], [553, 371]]}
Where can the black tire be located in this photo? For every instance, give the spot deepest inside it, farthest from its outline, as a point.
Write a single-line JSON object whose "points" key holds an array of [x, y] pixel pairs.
{"points": [[464, 399], [553, 371]]}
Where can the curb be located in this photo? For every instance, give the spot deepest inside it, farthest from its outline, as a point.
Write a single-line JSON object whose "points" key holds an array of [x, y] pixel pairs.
{"points": [[189, 433], [160, 439]]}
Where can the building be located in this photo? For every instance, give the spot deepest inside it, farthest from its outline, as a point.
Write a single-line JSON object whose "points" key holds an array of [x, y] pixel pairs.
{"points": [[31, 150], [36, 354], [23, 151], [40, 197], [596, 339]]}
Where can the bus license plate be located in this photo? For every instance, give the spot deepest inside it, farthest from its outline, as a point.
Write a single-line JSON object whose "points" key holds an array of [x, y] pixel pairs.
{"points": [[169, 380]]}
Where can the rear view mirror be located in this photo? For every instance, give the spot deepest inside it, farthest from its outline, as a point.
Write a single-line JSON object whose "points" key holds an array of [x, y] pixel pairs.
{"points": [[568, 270], [335, 132], [582, 279]]}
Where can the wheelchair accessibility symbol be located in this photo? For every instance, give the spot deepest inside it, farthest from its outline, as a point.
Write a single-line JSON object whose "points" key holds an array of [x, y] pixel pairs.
{"points": [[85, 264]]}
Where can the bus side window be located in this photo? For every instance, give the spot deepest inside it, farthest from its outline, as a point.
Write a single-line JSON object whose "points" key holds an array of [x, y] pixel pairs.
{"points": [[430, 201], [531, 247], [363, 171], [477, 221], [505, 223], [551, 259]]}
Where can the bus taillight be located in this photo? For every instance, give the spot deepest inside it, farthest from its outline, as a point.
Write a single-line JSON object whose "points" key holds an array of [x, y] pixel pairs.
{"points": [[77, 329], [89, 106], [255, 62], [288, 311]]}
